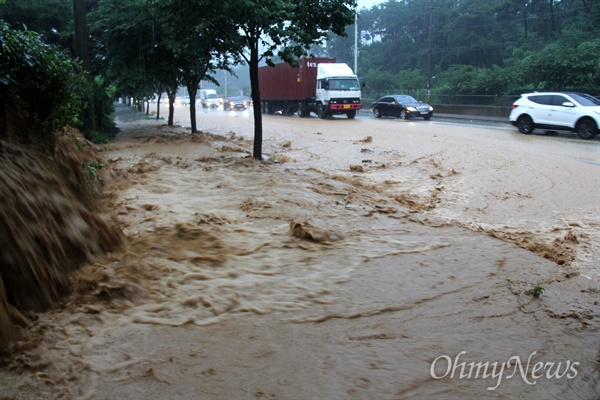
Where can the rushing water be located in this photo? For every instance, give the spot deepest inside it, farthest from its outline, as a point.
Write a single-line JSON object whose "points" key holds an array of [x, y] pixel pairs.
{"points": [[306, 280]]}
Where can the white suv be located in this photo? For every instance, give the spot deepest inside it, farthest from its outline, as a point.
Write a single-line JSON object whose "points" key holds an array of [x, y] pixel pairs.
{"points": [[576, 112]]}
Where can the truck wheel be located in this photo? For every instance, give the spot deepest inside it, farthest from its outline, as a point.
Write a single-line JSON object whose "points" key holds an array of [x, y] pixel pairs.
{"points": [[289, 109], [270, 108], [321, 111], [303, 111], [351, 114]]}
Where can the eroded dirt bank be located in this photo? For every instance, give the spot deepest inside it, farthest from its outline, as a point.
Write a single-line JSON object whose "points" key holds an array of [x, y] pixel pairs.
{"points": [[48, 225], [244, 280]]}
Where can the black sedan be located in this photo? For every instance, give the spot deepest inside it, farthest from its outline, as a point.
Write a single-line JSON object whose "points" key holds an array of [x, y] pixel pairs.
{"points": [[401, 106], [236, 103]]}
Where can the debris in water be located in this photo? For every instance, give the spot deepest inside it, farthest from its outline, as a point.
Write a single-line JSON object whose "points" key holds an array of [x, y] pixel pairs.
{"points": [[304, 230]]}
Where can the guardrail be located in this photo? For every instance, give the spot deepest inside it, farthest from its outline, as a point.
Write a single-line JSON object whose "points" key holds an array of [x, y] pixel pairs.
{"points": [[496, 112], [488, 112]]}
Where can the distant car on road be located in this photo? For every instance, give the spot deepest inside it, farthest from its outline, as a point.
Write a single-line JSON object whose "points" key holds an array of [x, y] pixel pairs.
{"points": [[401, 106], [570, 111], [182, 101], [236, 103]]}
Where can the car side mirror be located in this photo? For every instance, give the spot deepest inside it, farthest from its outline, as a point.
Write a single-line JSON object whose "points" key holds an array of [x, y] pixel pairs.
{"points": [[568, 104]]}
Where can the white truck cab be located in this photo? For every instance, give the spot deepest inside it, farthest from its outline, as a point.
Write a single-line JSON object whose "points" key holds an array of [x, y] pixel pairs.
{"points": [[209, 98], [338, 90]]}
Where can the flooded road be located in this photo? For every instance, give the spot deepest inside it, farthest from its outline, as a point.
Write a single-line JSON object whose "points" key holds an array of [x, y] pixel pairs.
{"points": [[370, 259], [525, 188]]}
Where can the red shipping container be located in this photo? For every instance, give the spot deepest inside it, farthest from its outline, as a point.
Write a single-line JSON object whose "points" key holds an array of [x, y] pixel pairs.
{"points": [[282, 82]]}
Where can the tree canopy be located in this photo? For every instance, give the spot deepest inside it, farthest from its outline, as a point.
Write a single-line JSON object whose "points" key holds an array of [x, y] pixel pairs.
{"points": [[460, 47], [53, 21], [41, 89], [262, 29], [491, 47]]}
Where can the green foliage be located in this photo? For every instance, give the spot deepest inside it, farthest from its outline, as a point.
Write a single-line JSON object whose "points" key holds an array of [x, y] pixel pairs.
{"points": [[99, 137], [133, 51], [153, 47], [380, 83], [537, 291], [264, 29], [198, 53], [281, 28], [482, 47], [561, 65], [40, 88], [466, 79], [90, 171], [52, 19], [101, 94]]}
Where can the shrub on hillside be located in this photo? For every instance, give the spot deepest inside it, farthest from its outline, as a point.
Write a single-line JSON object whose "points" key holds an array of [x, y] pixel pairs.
{"points": [[41, 89]]}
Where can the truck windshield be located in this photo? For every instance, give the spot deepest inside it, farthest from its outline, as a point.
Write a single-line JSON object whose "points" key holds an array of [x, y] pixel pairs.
{"points": [[211, 96], [344, 84]]}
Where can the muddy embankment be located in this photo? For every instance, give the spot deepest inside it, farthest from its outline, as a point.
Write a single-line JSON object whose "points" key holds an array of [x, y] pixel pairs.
{"points": [[48, 225]]}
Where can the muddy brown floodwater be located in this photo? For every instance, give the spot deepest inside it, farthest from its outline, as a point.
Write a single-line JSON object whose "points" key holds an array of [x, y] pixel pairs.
{"points": [[367, 259]]}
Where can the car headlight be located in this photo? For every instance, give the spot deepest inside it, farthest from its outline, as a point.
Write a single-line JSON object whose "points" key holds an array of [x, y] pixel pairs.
{"points": [[430, 108], [411, 109]]}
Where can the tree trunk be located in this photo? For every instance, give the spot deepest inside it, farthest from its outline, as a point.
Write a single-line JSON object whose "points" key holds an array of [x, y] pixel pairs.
{"points": [[82, 52], [552, 14], [171, 95], [192, 90], [81, 43], [587, 10], [158, 105], [257, 150]]}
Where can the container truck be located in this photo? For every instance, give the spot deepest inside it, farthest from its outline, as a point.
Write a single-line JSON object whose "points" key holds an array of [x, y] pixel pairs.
{"points": [[209, 98], [318, 85]]}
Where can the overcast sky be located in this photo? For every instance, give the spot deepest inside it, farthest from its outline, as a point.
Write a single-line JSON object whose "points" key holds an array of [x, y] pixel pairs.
{"points": [[368, 3]]}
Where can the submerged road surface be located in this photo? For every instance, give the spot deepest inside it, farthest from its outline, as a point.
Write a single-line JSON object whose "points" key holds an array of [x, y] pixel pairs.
{"points": [[367, 259]]}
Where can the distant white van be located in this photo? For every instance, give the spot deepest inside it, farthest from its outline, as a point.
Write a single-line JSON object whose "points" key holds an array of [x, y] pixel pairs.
{"points": [[209, 98]]}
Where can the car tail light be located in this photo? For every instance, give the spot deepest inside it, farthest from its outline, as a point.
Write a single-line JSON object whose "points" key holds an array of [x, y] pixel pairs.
{"points": [[515, 105]]}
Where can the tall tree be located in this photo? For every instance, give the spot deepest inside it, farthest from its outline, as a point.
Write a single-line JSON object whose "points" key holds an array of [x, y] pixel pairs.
{"points": [[82, 52], [50, 18], [134, 49], [197, 52], [262, 29]]}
